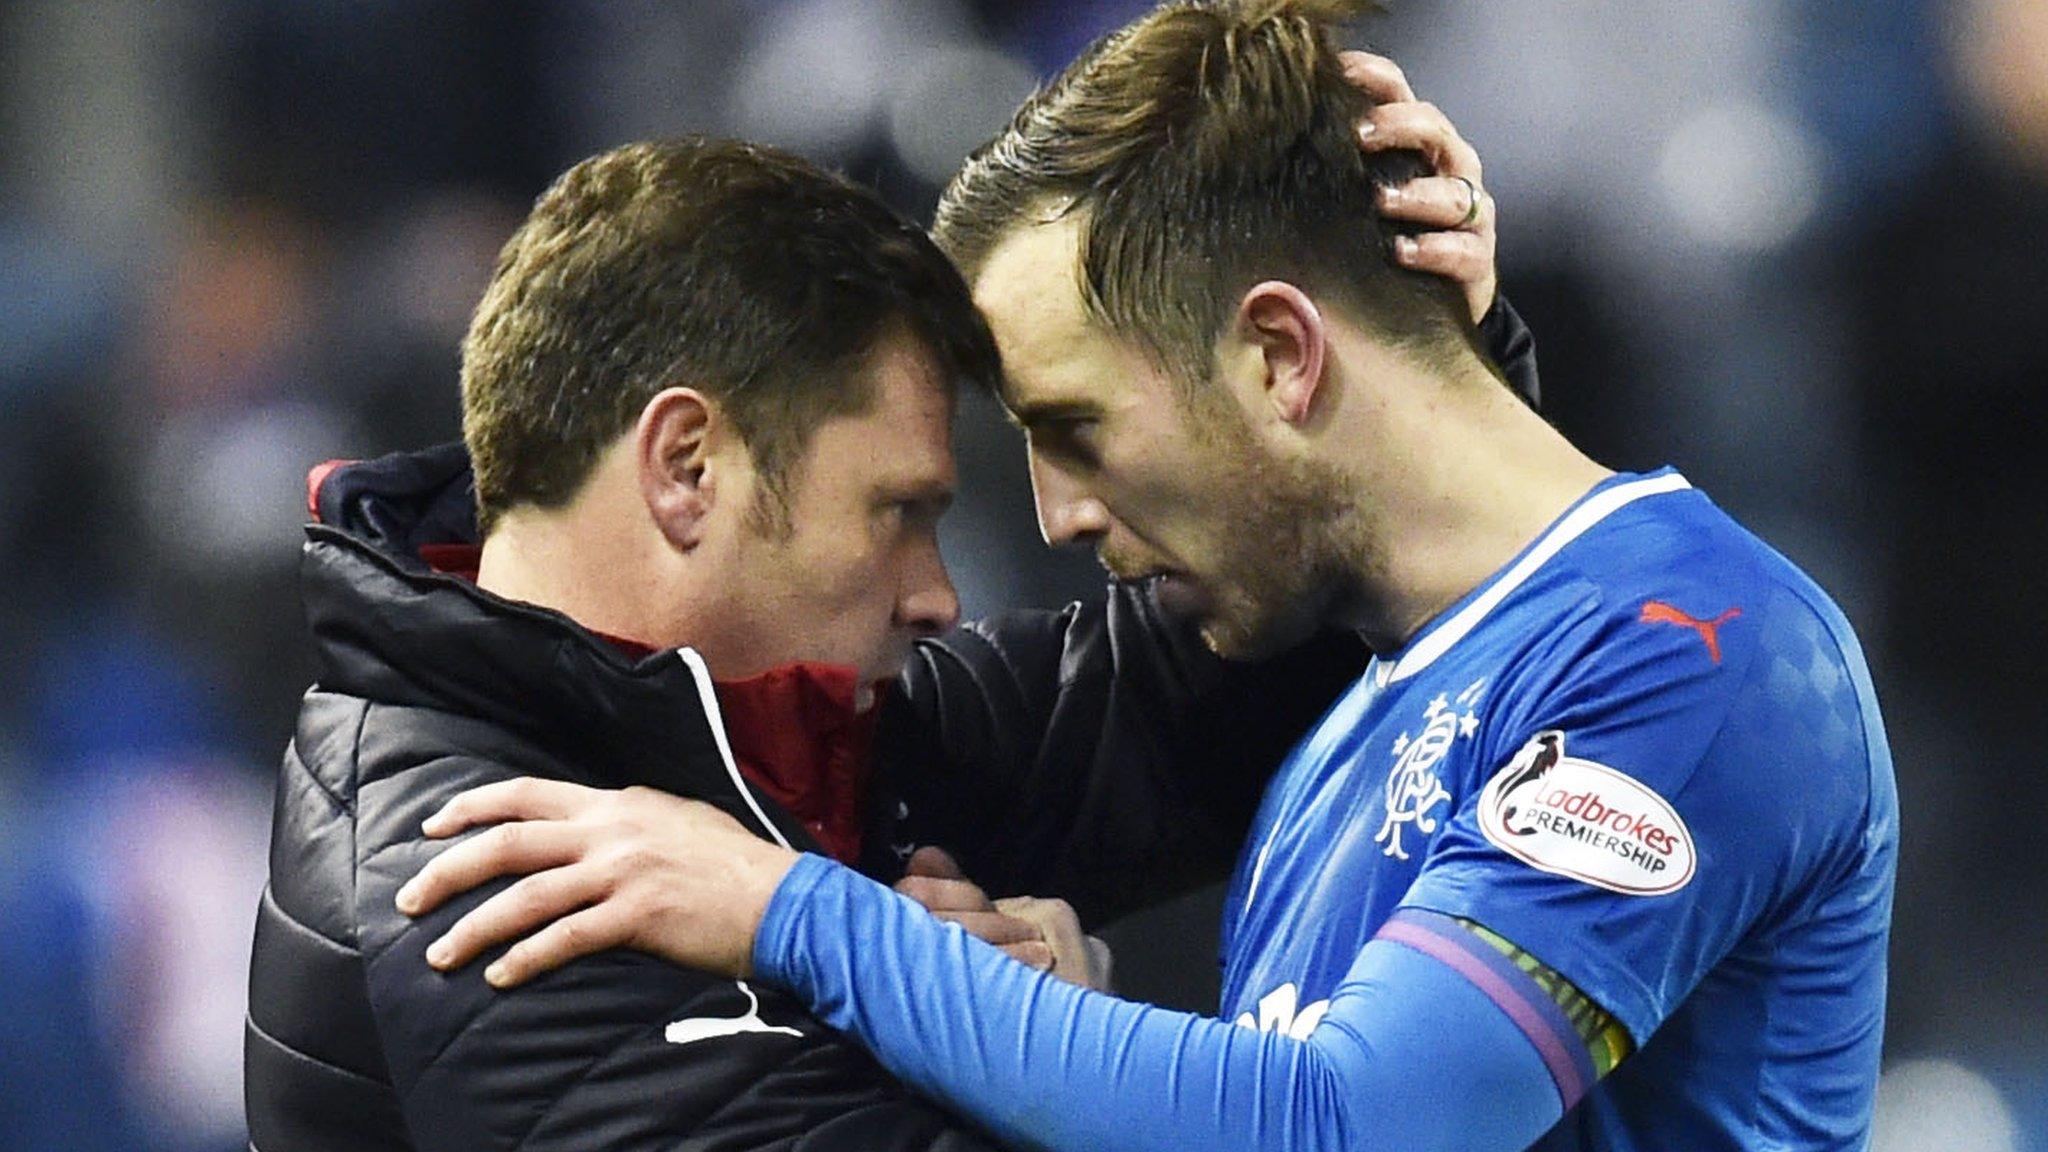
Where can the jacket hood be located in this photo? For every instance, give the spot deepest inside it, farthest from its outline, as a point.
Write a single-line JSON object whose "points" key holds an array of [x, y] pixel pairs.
{"points": [[399, 503]]}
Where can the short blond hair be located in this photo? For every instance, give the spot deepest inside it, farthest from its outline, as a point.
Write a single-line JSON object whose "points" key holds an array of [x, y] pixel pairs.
{"points": [[1210, 146]]}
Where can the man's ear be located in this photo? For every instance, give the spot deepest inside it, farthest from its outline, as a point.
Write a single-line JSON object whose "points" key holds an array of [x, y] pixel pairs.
{"points": [[672, 444], [1286, 328]]}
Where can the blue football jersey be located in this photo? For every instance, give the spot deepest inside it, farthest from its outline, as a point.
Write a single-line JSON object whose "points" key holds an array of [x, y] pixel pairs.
{"points": [[1647, 752]]}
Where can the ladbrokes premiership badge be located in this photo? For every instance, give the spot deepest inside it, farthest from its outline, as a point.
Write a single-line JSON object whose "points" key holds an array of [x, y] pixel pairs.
{"points": [[1576, 818]]}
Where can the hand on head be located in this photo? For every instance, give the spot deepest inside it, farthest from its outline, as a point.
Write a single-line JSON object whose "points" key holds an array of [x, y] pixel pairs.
{"points": [[1452, 200]]}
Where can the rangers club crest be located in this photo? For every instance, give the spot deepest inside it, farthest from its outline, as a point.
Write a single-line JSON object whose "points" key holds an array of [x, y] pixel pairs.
{"points": [[1413, 787]]}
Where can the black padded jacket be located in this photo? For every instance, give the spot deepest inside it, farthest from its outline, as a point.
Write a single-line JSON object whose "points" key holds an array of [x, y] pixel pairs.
{"points": [[1097, 752]]}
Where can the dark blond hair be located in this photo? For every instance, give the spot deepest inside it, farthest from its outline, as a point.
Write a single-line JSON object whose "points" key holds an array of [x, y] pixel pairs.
{"points": [[1211, 146], [741, 271]]}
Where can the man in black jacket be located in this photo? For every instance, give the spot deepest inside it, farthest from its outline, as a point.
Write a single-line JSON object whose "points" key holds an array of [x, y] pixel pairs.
{"points": [[707, 397], [707, 400]]}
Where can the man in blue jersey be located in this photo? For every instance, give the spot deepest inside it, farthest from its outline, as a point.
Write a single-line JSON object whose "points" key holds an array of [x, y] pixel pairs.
{"points": [[1597, 854]]}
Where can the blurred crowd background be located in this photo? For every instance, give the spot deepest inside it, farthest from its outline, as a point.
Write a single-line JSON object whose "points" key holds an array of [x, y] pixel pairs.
{"points": [[1798, 248]]}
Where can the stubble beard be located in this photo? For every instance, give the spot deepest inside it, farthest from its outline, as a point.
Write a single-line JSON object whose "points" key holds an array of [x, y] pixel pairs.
{"points": [[1285, 567]]}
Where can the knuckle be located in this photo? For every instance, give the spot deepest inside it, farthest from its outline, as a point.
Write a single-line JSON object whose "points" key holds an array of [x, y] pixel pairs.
{"points": [[542, 889], [639, 856], [635, 906], [615, 867], [525, 892], [506, 839], [574, 936]]}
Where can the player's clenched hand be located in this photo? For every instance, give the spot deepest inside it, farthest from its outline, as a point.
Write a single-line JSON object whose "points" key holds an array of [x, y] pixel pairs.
{"points": [[1044, 933], [933, 879], [1453, 201], [1077, 957], [601, 869]]}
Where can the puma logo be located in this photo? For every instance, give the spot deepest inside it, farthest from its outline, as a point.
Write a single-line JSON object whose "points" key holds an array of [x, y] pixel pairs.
{"points": [[1658, 612], [707, 1028]]}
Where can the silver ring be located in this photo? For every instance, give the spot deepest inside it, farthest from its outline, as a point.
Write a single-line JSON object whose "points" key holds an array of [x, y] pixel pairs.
{"points": [[1471, 202]]}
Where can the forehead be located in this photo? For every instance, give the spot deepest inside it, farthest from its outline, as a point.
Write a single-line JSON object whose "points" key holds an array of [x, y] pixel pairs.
{"points": [[1029, 286], [1054, 352], [903, 438]]}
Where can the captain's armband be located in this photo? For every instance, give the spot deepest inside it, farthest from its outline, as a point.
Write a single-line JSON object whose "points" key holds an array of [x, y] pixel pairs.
{"points": [[1606, 1041], [1578, 1040]]}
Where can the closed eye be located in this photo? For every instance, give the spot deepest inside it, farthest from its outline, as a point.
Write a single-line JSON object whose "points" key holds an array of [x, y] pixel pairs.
{"points": [[922, 510]]}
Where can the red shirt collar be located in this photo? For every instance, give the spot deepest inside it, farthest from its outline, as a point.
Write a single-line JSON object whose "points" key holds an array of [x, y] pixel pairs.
{"points": [[798, 737], [795, 730]]}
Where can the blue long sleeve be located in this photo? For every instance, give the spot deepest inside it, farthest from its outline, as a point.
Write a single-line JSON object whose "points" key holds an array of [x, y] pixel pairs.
{"points": [[1409, 1054]]}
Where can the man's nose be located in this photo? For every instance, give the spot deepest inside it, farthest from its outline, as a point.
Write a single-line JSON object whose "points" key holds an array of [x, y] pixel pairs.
{"points": [[928, 604], [1066, 511]]}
